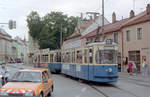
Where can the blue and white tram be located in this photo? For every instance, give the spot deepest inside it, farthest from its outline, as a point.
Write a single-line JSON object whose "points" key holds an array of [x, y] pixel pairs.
{"points": [[96, 62], [49, 59], [55, 61]]}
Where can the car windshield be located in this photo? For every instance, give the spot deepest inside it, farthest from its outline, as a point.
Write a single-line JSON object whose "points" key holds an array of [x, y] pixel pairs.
{"points": [[27, 77]]}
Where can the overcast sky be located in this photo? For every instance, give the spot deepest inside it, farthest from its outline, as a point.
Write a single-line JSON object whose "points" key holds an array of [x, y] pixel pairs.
{"points": [[19, 9]]}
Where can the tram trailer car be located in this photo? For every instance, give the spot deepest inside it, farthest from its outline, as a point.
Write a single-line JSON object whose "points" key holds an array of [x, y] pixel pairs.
{"points": [[97, 62], [49, 59]]}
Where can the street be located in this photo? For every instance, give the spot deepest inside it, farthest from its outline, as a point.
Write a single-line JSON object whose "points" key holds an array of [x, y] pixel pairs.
{"points": [[68, 87]]}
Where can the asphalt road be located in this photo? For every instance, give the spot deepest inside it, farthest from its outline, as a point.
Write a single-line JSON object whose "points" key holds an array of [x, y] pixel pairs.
{"points": [[67, 87]]}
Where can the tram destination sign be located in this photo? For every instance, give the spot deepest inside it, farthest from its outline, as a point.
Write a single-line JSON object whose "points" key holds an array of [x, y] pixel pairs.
{"points": [[109, 47]]}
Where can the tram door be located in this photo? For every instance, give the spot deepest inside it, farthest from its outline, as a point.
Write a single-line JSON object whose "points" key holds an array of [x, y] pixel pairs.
{"points": [[90, 62]]}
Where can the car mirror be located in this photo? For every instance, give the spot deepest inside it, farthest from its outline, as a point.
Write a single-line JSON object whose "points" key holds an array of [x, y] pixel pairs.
{"points": [[9, 80], [45, 81]]}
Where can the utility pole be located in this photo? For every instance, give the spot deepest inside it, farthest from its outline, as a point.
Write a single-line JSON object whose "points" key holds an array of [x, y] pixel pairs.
{"points": [[61, 36], [103, 35], [134, 5]]}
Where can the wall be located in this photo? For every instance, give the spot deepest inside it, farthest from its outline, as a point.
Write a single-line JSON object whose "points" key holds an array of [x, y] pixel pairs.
{"points": [[142, 45]]}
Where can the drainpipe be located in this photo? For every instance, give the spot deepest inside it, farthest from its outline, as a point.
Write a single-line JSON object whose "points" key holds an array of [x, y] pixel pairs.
{"points": [[122, 54]]}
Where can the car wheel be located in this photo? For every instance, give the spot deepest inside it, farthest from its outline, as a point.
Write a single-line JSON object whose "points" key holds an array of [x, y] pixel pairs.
{"points": [[52, 88], [50, 93]]}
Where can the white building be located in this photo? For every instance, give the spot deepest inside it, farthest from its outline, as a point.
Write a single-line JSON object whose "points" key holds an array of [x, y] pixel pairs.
{"points": [[5, 46], [83, 28], [22, 49]]}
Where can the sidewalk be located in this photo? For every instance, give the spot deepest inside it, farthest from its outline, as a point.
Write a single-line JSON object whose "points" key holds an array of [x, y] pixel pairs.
{"points": [[20, 65], [137, 77]]}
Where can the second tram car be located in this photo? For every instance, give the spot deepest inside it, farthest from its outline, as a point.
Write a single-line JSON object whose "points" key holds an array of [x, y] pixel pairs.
{"points": [[49, 59], [96, 62]]}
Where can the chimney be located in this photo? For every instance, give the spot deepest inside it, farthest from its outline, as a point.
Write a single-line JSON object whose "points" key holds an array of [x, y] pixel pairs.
{"points": [[113, 17], [148, 9], [132, 14]]}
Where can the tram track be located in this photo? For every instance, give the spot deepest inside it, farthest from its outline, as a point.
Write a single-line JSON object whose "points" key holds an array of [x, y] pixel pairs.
{"points": [[136, 82], [126, 91], [100, 88], [101, 91]]}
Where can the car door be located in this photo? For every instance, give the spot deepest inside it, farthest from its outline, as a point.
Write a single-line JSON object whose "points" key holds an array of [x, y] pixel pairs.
{"points": [[50, 80], [45, 83]]}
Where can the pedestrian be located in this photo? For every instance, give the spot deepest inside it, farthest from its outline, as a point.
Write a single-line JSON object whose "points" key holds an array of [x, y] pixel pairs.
{"points": [[144, 67], [4, 74], [130, 68], [134, 68]]}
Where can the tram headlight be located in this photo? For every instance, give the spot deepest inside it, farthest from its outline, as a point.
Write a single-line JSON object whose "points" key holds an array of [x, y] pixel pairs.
{"points": [[110, 70]]}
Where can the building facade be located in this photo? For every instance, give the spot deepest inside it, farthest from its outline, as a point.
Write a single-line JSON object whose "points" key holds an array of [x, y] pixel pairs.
{"points": [[136, 39], [5, 46], [21, 49]]}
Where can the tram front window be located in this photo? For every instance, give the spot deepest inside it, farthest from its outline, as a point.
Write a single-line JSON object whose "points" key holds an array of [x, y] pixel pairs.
{"points": [[106, 57]]}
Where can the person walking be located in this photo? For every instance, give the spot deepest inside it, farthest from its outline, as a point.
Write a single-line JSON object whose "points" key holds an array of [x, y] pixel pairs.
{"points": [[130, 68], [134, 68], [144, 68]]}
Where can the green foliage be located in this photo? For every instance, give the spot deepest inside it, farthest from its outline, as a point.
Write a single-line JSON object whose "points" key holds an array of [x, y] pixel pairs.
{"points": [[46, 30]]}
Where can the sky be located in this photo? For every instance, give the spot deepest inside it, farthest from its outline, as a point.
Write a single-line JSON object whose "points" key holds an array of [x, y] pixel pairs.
{"points": [[18, 10]]}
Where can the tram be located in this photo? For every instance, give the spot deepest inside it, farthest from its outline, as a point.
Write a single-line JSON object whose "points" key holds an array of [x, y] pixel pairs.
{"points": [[96, 62], [48, 59]]}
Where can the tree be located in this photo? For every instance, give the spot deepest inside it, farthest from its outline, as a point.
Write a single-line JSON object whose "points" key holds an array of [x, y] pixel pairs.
{"points": [[48, 28], [34, 24]]}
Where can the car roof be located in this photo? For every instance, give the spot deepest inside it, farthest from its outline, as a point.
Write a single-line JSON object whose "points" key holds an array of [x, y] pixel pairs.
{"points": [[34, 70]]}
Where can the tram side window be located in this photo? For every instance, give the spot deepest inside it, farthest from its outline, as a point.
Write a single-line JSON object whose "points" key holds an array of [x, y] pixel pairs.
{"points": [[58, 57], [42, 58], [90, 56], [79, 57], [86, 56], [38, 58], [46, 58], [97, 57], [55, 58], [63, 57], [51, 57], [68, 57]]}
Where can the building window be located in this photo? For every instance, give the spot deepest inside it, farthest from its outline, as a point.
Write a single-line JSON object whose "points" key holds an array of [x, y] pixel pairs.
{"points": [[128, 35], [139, 33], [116, 37]]}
